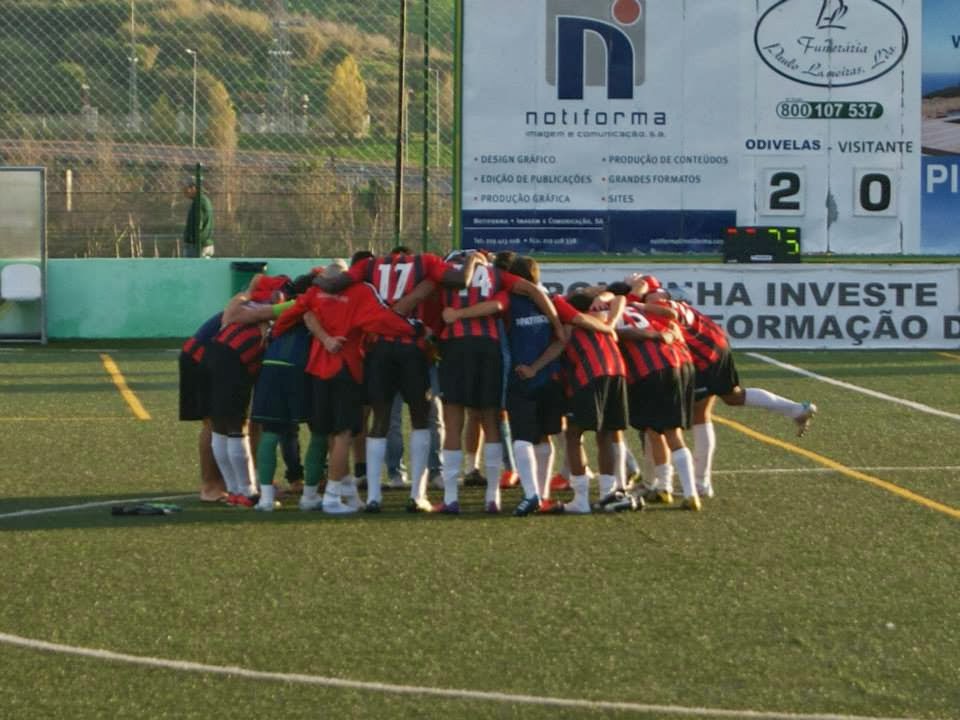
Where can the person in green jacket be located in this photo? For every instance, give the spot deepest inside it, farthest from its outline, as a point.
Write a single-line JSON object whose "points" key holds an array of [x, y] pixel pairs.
{"points": [[197, 236]]}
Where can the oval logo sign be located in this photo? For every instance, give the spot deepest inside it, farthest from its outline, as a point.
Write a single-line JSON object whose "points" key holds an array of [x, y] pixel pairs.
{"points": [[831, 43]]}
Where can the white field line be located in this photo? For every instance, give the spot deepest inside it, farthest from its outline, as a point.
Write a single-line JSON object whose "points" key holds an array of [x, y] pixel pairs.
{"points": [[451, 693], [856, 388], [87, 506]]}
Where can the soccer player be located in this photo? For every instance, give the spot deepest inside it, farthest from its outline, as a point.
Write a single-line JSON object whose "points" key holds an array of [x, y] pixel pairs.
{"points": [[232, 359], [716, 376], [659, 392], [534, 396], [195, 405], [471, 367], [336, 365], [398, 364], [595, 375]]}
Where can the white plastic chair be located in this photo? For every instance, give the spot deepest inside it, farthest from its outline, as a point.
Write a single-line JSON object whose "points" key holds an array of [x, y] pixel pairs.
{"points": [[20, 282]]}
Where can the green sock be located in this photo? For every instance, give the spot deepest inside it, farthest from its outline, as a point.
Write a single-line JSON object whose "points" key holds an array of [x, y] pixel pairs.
{"points": [[315, 463], [267, 457]]}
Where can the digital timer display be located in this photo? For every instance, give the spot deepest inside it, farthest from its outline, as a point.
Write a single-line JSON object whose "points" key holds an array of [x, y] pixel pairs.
{"points": [[761, 244]]}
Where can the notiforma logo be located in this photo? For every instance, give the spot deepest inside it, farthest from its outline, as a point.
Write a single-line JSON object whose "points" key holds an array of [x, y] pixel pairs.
{"points": [[595, 43]]}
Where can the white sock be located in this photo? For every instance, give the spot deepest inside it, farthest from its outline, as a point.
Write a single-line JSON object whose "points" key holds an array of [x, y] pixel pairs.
{"points": [[606, 484], [419, 459], [244, 473], [754, 397], [544, 453], [267, 496], [704, 443], [334, 489], [376, 453], [311, 493], [581, 493], [664, 477], [451, 468], [683, 462], [218, 443], [492, 465], [527, 468]]}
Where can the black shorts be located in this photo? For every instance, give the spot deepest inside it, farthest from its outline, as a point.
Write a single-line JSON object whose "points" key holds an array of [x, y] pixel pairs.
{"points": [[230, 382], [394, 367], [601, 405], [720, 378], [535, 413], [282, 395], [471, 372], [662, 400], [337, 405], [194, 389]]}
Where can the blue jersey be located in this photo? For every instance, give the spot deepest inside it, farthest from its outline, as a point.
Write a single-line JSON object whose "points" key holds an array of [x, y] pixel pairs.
{"points": [[531, 333], [290, 348]]}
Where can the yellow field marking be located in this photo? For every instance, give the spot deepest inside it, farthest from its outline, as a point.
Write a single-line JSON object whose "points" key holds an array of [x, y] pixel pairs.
{"points": [[842, 469], [949, 355], [135, 405]]}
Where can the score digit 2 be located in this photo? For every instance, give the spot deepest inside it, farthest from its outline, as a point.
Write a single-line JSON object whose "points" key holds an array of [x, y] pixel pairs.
{"points": [[782, 191]]}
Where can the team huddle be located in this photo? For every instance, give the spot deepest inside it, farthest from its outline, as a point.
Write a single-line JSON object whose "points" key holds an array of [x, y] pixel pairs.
{"points": [[335, 348]]}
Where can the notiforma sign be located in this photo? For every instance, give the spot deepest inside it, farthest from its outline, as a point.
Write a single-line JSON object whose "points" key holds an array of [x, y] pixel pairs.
{"points": [[590, 48]]}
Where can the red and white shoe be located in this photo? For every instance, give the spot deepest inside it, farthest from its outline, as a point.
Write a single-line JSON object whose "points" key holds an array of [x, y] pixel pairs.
{"points": [[559, 482], [508, 479]]}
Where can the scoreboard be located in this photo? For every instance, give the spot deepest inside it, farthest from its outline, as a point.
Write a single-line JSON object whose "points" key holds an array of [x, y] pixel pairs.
{"points": [[646, 126]]}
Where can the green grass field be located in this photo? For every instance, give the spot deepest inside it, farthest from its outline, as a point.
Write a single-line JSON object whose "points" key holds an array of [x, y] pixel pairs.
{"points": [[822, 581]]}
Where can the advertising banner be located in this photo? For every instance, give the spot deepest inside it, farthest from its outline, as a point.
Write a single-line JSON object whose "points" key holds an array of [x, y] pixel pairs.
{"points": [[645, 126], [804, 307]]}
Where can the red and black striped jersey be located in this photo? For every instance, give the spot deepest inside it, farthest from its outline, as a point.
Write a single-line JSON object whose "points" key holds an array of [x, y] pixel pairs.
{"points": [[588, 354], [246, 341], [486, 282], [395, 276], [707, 340], [644, 357], [195, 346]]}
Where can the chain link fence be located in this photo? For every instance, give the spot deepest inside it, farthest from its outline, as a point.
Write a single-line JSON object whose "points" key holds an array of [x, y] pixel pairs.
{"points": [[291, 106]]}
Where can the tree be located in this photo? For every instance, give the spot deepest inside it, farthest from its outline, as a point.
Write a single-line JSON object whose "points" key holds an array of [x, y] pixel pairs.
{"points": [[347, 100], [163, 119]]}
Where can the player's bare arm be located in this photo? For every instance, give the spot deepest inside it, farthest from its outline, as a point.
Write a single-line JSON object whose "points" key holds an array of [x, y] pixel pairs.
{"points": [[481, 309], [330, 342], [408, 303]]}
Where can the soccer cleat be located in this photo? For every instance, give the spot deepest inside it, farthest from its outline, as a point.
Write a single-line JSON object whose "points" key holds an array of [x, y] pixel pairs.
{"points": [[805, 418], [398, 482], [550, 507], [474, 478], [577, 507], [508, 479], [308, 505], [492, 508], [420, 505], [705, 489], [447, 509], [247, 501], [627, 503], [614, 496], [527, 505], [659, 496], [692, 503], [333, 505], [559, 482], [372, 507]]}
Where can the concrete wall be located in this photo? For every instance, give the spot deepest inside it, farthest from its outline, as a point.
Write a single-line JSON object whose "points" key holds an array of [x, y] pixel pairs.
{"points": [[143, 298]]}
